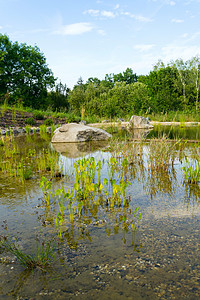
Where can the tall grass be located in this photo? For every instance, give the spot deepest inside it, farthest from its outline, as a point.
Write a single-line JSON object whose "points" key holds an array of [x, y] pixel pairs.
{"points": [[191, 172], [42, 259]]}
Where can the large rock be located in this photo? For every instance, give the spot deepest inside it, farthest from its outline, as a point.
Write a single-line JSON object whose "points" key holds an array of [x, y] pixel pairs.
{"points": [[73, 132], [139, 122]]}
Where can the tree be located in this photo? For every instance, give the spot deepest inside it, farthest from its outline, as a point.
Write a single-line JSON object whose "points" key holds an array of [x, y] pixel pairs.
{"points": [[194, 67], [162, 88], [24, 73], [128, 76], [58, 99]]}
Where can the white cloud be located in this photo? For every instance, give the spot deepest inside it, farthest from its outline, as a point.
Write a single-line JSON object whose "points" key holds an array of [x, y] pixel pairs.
{"points": [[144, 47], [116, 6], [185, 35], [98, 13], [136, 17], [172, 52], [108, 14], [177, 21], [101, 32], [74, 29], [93, 12]]}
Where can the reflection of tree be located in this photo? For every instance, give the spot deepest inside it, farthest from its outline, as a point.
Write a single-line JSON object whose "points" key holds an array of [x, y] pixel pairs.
{"points": [[159, 180]]}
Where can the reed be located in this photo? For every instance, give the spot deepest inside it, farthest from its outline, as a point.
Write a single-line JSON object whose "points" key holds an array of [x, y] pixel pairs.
{"points": [[45, 185], [161, 153], [42, 260], [191, 172]]}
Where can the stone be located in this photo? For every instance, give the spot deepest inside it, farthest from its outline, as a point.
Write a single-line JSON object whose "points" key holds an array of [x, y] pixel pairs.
{"points": [[83, 122], [139, 122], [73, 132]]}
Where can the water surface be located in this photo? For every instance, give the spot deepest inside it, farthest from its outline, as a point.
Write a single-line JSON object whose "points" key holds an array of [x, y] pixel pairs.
{"points": [[99, 258]]}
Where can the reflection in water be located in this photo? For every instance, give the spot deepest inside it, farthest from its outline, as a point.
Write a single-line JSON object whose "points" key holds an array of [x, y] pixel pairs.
{"points": [[139, 134], [74, 150], [160, 181], [192, 193]]}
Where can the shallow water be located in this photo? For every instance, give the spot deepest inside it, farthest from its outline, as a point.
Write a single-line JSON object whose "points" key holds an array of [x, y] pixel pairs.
{"points": [[98, 259]]}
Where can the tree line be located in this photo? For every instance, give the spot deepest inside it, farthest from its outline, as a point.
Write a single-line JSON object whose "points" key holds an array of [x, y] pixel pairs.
{"points": [[25, 78]]}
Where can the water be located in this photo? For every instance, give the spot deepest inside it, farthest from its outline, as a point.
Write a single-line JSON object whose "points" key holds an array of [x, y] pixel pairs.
{"points": [[98, 259]]}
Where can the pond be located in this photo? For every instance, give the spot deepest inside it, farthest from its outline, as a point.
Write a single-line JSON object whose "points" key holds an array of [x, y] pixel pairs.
{"points": [[120, 219]]}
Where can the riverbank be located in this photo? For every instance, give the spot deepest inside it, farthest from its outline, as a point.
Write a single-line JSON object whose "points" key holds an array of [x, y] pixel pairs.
{"points": [[154, 123]]}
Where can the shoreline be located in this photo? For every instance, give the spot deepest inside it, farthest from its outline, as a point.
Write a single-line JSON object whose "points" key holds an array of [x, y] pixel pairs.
{"points": [[154, 123], [21, 130]]}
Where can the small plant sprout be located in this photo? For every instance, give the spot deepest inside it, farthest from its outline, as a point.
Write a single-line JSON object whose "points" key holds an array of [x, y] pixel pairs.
{"points": [[45, 185], [136, 219]]}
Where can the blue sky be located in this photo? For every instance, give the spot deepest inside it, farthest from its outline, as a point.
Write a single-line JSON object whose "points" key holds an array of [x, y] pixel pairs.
{"points": [[93, 38]]}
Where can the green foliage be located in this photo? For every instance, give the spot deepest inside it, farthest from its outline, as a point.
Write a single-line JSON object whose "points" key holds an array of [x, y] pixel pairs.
{"points": [[25, 79], [48, 122], [24, 73], [58, 98], [45, 185], [38, 115], [30, 121], [41, 260], [161, 153], [27, 173], [191, 172]]}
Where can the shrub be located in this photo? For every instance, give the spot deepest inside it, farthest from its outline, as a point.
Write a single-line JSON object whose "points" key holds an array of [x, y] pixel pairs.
{"points": [[48, 122], [30, 121], [38, 115]]}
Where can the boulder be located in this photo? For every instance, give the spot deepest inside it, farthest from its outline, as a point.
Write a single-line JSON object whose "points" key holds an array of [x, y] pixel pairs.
{"points": [[73, 132], [139, 122]]}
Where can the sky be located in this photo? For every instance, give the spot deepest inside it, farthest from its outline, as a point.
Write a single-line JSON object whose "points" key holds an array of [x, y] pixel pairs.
{"points": [[85, 38]]}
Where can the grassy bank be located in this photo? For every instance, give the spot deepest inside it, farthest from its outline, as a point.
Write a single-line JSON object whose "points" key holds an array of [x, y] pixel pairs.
{"points": [[17, 116]]}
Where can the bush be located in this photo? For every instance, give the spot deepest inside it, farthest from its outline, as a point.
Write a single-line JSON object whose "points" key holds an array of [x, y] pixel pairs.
{"points": [[30, 121], [38, 115], [71, 118], [48, 122]]}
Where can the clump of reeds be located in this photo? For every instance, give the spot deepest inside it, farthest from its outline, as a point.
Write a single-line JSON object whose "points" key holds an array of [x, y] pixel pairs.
{"points": [[192, 172], [161, 153], [42, 259]]}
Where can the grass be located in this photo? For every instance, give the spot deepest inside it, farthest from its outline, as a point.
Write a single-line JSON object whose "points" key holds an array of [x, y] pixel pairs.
{"points": [[42, 260], [175, 116], [22, 163], [162, 152], [192, 172]]}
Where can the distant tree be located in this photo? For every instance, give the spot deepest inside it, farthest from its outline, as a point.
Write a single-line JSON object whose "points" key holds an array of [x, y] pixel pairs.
{"points": [[128, 76], [77, 97], [24, 73], [194, 68], [162, 90], [57, 99]]}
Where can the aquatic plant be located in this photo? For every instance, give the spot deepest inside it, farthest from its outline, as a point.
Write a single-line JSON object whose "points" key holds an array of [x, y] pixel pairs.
{"points": [[45, 185], [2, 142], [42, 259], [27, 129], [27, 172], [136, 219], [161, 153], [191, 172]]}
